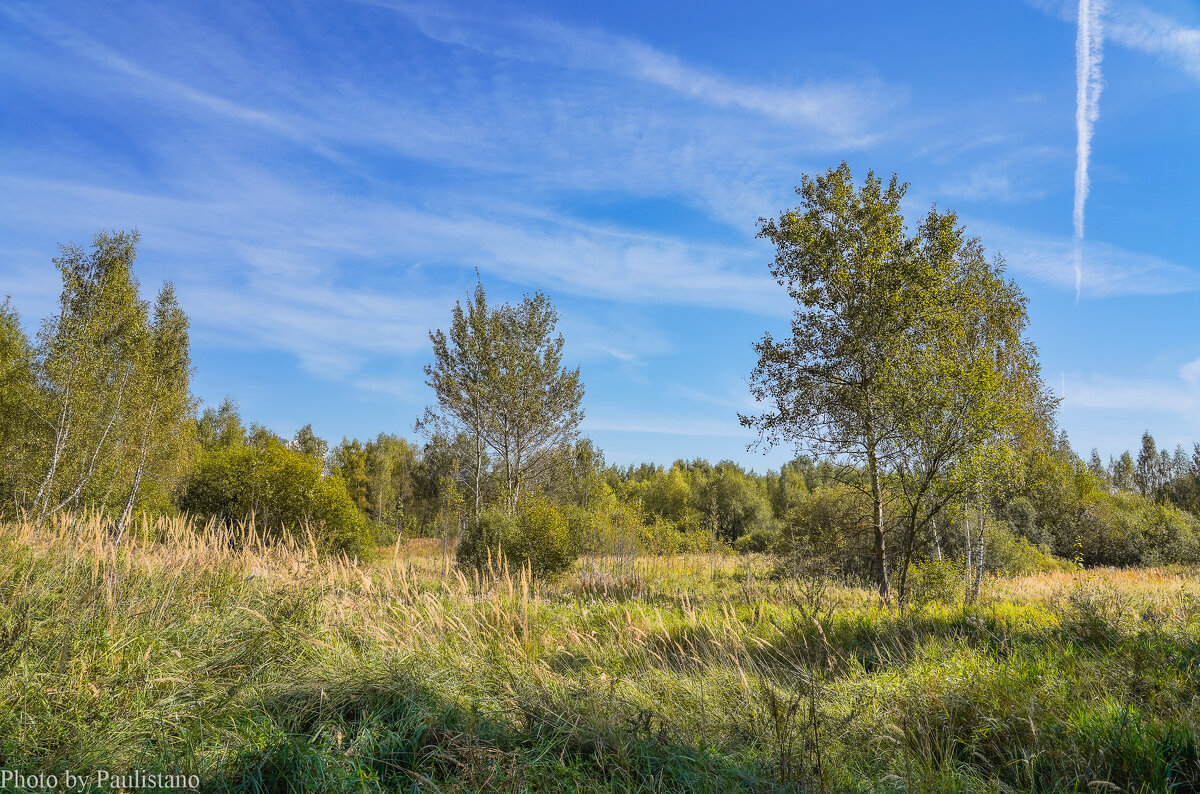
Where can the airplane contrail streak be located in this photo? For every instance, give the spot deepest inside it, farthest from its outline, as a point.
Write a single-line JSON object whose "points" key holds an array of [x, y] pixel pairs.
{"points": [[1089, 44]]}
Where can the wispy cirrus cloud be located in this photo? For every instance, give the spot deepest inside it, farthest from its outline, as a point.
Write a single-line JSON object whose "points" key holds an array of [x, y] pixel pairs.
{"points": [[1017, 175], [275, 276], [158, 85], [621, 334], [1142, 29], [1113, 410], [1190, 372], [1112, 271], [608, 113], [1096, 391], [1133, 25], [737, 397], [845, 111]]}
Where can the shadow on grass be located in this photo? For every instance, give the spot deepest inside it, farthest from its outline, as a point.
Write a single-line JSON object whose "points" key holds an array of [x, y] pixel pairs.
{"points": [[398, 735], [1071, 704]]}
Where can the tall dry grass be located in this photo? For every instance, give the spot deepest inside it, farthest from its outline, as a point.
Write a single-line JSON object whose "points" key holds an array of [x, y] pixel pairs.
{"points": [[260, 665]]}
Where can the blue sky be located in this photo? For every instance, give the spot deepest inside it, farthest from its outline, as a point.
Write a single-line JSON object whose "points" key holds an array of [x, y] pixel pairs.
{"points": [[322, 180]]}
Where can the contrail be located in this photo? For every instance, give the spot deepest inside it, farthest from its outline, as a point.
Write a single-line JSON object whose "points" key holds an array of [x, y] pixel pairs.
{"points": [[1089, 44]]}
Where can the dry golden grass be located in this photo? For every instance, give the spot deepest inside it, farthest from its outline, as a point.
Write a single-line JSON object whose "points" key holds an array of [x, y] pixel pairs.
{"points": [[1149, 585], [198, 642], [173, 546]]}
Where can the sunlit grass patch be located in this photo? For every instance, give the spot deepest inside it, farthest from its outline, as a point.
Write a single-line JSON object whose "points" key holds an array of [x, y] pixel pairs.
{"points": [[250, 663]]}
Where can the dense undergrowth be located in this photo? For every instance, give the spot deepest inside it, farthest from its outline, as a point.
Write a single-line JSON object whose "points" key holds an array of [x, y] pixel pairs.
{"points": [[267, 668]]}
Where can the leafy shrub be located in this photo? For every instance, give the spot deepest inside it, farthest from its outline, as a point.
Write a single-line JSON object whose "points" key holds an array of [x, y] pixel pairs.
{"points": [[935, 582], [281, 490], [608, 527], [666, 494], [759, 541], [1125, 529], [659, 536], [484, 541], [538, 535], [619, 529], [383, 533], [1010, 555], [832, 524], [733, 502]]}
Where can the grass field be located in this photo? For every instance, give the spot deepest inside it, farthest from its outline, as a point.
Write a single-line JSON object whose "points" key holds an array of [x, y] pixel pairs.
{"points": [[264, 668]]}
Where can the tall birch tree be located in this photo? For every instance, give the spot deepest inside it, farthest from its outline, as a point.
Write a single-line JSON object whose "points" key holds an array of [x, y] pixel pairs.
{"points": [[899, 347], [90, 357], [111, 417]]}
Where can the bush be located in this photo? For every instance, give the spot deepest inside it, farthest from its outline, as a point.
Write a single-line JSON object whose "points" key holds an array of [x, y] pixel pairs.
{"points": [[626, 530], [1008, 554], [1124, 529], [832, 525], [759, 541], [659, 536], [935, 582], [383, 533], [537, 535], [283, 491], [605, 528], [483, 541]]}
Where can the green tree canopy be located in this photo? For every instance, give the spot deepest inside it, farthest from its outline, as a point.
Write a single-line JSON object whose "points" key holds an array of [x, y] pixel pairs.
{"points": [[306, 442], [901, 347], [21, 422], [221, 426], [499, 380], [110, 421]]}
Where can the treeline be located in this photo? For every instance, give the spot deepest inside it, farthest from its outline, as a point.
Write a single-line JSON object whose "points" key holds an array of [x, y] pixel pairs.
{"points": [[1066, 508], [1166, 477], [406, 488], [96, 414], [1054, 506]]}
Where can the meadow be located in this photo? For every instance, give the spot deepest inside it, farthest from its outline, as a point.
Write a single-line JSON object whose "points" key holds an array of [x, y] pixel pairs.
{"points": [[266, 667]]}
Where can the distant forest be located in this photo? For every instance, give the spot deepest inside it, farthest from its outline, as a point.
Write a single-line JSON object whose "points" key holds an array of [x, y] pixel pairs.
{"points": [[97, 416]]}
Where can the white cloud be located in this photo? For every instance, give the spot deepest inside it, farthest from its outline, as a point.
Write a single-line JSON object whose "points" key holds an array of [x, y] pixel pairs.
{"points": [[1020, 175], [272, 271], [332, 331], [844, 111], [1104, 407], [623, 335], [401, 388], [550, 109], [1139, 28], [163, 88], [737, 397], [982, 183], [1110, 270], [1191, 372], [1132, 25], [1124, 394]]}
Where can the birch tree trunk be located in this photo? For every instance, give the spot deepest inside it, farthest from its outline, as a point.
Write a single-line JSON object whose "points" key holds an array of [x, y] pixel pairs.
{"points": [[977, 585], [877, 525]]}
